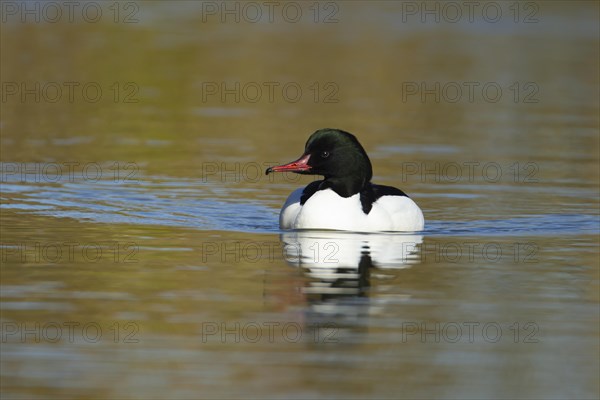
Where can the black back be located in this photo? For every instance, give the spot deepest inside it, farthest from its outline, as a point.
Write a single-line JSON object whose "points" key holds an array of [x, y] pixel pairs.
{"points": [[369, 195]]}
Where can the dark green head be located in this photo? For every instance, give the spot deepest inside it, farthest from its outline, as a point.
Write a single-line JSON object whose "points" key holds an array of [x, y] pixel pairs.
{"points": [[338, 156]]}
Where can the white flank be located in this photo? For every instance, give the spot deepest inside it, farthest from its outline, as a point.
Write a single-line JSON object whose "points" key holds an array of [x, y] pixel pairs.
{"points": [[327, 210]]}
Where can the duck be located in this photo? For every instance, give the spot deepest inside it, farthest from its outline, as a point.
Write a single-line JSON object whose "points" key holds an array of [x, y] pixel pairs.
{"points": [[346, 199]]}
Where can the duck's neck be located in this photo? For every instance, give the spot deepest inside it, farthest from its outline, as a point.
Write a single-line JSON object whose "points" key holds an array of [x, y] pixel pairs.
{"points": [[354, 177], [345, 187]]}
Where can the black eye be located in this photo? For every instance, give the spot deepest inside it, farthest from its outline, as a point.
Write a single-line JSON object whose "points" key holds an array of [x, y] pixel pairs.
{"points": [[324, 154]]}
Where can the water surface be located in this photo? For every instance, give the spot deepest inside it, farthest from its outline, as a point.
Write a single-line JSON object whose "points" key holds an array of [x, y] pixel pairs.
{"points": [[141, 256]]}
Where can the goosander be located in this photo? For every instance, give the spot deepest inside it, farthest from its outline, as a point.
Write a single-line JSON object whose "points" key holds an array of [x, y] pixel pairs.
{"points": [[346, 199]]}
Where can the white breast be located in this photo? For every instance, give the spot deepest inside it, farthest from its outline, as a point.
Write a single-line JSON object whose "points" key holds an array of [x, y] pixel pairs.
{"points": [[327, 210]]}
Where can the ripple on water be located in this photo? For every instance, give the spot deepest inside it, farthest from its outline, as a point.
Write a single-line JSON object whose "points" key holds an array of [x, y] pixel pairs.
{"points": [[147, 203], [184, 203]]}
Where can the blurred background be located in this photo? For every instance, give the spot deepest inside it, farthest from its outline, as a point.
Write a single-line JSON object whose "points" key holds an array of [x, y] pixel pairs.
{"points": [[134, 139]]}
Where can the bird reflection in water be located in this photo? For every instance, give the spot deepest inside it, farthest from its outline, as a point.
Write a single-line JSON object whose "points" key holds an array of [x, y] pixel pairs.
{"points": [[340, 266]]}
